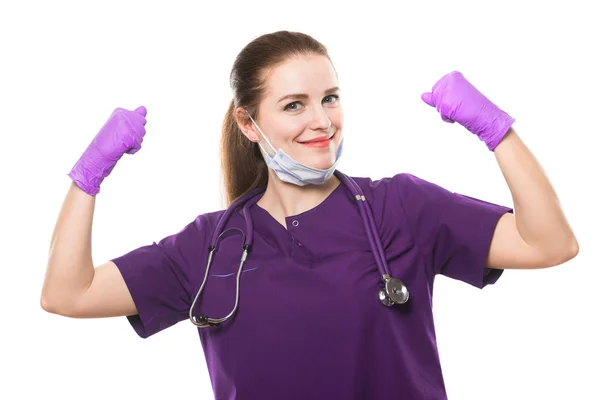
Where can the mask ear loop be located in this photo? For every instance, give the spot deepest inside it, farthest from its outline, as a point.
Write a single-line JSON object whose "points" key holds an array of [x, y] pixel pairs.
{"points": [[262, 148]]}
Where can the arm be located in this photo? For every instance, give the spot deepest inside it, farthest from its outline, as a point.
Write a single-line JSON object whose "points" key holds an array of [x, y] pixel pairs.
{"points": [[538, 234], [72, 286]]}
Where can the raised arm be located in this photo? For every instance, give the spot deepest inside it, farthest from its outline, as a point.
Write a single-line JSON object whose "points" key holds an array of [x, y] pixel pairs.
{"points": [[72, 286]]}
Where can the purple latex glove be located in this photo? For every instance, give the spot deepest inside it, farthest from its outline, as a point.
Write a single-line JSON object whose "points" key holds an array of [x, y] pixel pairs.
{"points": [[122, 133], [457, 100]]}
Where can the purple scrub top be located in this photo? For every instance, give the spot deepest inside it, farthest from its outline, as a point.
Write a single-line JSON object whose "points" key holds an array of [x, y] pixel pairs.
{"points": [[309, 323]]}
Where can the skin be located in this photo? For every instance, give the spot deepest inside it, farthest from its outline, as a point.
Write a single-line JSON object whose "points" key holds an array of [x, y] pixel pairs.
{"points": [[537, 235], [288, 122]]}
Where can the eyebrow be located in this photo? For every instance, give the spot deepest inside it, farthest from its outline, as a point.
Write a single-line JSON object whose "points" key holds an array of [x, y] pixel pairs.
{"points": [[305, 96]]}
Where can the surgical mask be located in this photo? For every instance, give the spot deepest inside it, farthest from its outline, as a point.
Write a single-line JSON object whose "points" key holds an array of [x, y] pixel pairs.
{"points": [[289, 170]]}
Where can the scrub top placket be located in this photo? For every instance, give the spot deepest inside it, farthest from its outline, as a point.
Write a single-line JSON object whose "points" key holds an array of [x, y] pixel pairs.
{"points": [[302, 229]]}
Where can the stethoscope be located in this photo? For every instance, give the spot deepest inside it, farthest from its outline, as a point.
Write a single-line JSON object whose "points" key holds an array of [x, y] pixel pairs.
{"points": [[395, 292]]}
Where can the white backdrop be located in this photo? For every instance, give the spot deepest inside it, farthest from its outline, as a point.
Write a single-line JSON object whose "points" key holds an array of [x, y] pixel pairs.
{"points": [[65, 66]]}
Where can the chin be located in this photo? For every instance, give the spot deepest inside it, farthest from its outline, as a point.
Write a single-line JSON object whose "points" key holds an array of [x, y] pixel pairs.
{"points": [[325, 164]]}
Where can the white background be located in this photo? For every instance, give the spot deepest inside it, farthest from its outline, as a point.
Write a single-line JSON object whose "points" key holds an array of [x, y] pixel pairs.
{"points": [[65, 66]]}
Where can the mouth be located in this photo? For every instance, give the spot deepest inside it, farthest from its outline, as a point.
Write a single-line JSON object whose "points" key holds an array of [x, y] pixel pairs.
{"points": [[322, 141]]}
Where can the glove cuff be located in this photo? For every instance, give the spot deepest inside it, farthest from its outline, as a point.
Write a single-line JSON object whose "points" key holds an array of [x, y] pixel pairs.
{"points": [[498, 128], [88, 175]]}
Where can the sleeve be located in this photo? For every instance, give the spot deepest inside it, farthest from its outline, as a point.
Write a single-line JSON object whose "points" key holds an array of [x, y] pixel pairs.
{"points": [[453, 230], [158, 278]]}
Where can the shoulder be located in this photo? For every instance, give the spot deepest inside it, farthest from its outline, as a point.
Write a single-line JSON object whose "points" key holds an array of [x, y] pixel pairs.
{"points": [[401, 179], [208, 220], [401, 186], [396, 194], [408, 198], [196, 231]]}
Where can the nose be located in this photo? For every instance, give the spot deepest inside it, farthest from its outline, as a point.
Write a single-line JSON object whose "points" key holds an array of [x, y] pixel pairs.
{"points": [[320, 120]]}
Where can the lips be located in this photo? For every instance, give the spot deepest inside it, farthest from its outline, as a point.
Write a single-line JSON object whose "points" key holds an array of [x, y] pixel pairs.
{"points": [[323, 138]]}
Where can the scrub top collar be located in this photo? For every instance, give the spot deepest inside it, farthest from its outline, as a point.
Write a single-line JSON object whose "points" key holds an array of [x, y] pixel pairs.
{"points": [[296, 241]]}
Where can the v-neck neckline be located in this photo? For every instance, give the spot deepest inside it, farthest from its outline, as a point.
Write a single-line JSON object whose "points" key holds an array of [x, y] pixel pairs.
{"points": [[293, 238], [303, 213], [298, 241]]}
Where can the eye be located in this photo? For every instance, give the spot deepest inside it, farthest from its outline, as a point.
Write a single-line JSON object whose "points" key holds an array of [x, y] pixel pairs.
{"points": [[288, 107], [335, 96], [291, 104]]}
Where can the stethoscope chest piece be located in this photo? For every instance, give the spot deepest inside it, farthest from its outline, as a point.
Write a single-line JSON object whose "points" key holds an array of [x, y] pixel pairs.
{"points": [[395, 291]]}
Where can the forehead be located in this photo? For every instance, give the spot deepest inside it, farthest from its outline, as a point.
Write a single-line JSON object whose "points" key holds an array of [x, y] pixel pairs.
{"points": [[301, 74]]}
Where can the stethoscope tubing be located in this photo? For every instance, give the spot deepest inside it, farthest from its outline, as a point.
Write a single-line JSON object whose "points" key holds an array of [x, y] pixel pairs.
{"points": [[389, 296]]}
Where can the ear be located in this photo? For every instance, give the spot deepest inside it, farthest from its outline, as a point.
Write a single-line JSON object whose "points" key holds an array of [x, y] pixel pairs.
{"points": [[245, 123]]}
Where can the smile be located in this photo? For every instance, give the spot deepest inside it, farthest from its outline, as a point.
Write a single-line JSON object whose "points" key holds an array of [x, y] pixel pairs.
{"points": [[320, 143]]}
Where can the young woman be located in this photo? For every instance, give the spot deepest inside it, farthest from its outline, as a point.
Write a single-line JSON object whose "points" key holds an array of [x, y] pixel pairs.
{"points": [[327, 292]]}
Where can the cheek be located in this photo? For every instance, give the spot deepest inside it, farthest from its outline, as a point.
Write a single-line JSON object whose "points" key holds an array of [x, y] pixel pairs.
{"points": [[292, 129], [337, 117], [287, 129]]}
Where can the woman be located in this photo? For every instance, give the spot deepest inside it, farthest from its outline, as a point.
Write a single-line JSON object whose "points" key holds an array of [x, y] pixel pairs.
{"points": [[310, 322]]}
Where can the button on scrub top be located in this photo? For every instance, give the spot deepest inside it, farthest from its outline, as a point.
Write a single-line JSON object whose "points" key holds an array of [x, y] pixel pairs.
{"points": [[309, 323]]}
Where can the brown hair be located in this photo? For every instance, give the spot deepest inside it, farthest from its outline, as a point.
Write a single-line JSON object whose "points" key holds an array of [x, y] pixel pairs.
{"points": [[242, 163]]}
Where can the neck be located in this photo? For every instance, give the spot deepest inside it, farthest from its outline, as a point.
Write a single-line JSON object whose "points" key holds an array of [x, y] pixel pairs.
{"points": [[282, 199]]}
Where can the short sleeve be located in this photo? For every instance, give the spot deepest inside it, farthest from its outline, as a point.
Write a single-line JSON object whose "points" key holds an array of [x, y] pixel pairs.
{"points": [[158, 278], [453, 230]]}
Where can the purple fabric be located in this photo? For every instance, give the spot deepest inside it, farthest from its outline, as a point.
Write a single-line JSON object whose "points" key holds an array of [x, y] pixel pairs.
{"points": [[309, 324]]}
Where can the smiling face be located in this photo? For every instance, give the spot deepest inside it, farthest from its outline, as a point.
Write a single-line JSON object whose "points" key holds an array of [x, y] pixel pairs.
{"points": [[301, 103]]}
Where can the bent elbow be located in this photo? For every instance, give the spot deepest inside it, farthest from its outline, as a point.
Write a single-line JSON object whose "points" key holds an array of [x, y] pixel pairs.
{"points": [[565, 255], [571, 251], [55, 307], [574, 248], [47, 305]]}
